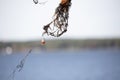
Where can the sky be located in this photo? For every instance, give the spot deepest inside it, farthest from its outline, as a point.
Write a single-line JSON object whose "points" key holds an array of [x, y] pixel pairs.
{"points": [[24, 20]]}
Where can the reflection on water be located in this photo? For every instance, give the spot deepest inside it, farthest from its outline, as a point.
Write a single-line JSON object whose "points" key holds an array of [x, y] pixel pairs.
{"points": [[79, 65]]}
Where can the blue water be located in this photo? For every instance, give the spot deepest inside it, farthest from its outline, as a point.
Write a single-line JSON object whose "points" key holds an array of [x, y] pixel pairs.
{"points": [[78, 65]]}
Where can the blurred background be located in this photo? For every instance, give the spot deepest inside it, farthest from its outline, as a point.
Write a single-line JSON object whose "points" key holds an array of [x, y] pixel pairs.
{"points": [[89, 50], [92, 24]]}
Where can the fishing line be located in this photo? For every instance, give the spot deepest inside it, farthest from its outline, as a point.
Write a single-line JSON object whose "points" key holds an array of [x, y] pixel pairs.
{"points": [[20, 66]]}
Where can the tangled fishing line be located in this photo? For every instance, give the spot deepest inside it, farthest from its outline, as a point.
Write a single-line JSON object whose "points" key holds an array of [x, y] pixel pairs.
{"points": [[60, 22]]}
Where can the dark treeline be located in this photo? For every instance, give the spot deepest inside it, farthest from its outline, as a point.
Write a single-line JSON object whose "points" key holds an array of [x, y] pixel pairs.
{"points": [[63, 44]]}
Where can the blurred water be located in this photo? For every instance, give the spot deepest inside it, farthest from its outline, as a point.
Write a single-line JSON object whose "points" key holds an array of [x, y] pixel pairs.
{"points": [[79, 65]]}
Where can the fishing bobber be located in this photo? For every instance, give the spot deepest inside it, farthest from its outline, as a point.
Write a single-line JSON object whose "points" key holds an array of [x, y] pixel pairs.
{"points": [[43, 41]]}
